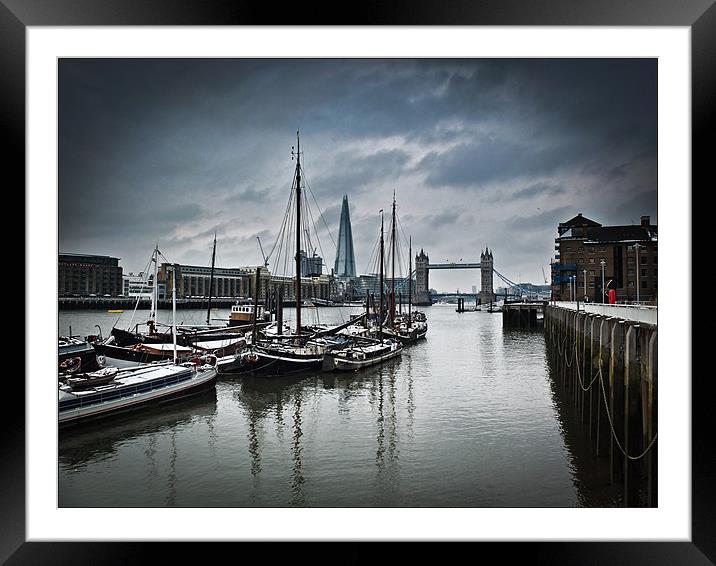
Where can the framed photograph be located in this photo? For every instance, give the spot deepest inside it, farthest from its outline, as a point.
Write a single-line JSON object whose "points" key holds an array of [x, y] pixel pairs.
{"points": [[182, 166]]}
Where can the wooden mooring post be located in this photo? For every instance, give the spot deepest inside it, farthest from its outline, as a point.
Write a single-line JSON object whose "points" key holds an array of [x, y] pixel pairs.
{"points": [[607, 367]]}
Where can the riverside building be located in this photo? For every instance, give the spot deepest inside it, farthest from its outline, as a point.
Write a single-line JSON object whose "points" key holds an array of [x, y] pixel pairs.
{"points": [[627, 255]]}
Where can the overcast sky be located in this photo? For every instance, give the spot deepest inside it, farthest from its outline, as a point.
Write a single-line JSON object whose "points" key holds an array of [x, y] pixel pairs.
{"points": [[480, 152]]}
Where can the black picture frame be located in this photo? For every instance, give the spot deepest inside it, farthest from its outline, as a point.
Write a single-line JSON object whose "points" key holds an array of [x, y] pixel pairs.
{"points": [[699, 15]]}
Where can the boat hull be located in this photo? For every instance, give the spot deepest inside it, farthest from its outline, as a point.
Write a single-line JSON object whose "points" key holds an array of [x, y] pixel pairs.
{"points": [[269, 363], [130, 355], [337, 363], [188, 388], [229, 364], [125, 338], [410, 338], [86, 354]]}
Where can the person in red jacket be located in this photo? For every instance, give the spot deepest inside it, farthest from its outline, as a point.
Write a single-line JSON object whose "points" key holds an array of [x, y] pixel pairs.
{"points": [[612, 295]]}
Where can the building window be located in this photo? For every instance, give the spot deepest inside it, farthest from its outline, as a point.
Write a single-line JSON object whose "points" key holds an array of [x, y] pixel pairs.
{"points": [[630, 259], [591, 273], [591, 283], [630, 272], [591, 260], [643, 284], [644, 259], [631, 283]]}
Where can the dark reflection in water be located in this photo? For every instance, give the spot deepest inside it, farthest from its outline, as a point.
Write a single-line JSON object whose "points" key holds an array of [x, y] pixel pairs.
{"points": [[95, 442], [590, 472], [297, 479], [467, 418], [172, 479]]}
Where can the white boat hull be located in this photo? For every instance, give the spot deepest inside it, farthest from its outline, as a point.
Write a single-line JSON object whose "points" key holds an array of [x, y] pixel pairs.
{"points": [[110, 400]]}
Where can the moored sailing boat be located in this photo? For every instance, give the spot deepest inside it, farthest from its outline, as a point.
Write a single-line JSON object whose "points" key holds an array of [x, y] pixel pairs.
{"points": [[110, 392], [411, 326], [295, 353], [362, 353]]}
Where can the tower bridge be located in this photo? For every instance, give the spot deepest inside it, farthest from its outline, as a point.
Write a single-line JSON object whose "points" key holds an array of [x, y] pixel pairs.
{"points": [[422, 274]]}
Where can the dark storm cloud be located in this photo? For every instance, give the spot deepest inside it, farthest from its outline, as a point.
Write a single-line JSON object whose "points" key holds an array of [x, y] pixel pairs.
{"points": [[477, 151], [536, 189], [353, 173], [525, 224], [500, 159]]}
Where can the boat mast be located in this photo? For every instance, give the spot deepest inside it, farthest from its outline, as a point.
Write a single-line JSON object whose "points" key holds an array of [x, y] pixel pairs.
{"points": [[174, 311], [256, 305], [392, 276], [298, 234], [211, 281], [410, 275], [155, 294], [380, 315]]}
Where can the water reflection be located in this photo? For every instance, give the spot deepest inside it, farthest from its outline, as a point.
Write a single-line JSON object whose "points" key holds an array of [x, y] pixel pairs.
{"points": [[172, 476], [590, 473], [150, 452], [297, 479], [99, 441], [410, 401]]}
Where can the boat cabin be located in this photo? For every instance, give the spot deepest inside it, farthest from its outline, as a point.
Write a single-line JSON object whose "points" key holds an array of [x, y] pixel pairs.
{"points": [[244, 314]]}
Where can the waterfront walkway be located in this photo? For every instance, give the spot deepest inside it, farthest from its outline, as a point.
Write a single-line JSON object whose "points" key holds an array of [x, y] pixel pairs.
{"points": [[636, 313]]}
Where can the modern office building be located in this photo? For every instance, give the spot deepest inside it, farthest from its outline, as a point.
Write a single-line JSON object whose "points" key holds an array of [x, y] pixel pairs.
{"points": [[625, 257], [239, 283], [85, 275], [345, 265], [194, 281], [371, 283], [139, 285], [311, 266]]}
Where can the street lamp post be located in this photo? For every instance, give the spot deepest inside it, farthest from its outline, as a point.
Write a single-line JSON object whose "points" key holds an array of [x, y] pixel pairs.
{"points": [[585, 284], [636, 249], [603, 263], [576, 297]]}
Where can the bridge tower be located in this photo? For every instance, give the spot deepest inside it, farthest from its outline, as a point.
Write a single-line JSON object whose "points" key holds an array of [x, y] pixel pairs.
{"points": [[422, 295], [486, 291]]}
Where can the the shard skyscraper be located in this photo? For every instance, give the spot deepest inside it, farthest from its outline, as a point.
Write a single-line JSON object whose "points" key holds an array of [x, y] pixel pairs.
{"points": [[345, 258]]}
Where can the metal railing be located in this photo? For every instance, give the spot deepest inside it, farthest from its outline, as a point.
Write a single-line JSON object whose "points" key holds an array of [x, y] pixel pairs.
{"points": [[634, 312]]}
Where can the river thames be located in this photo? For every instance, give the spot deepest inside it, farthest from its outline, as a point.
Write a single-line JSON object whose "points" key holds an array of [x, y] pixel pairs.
{"points": [[468, 417]]}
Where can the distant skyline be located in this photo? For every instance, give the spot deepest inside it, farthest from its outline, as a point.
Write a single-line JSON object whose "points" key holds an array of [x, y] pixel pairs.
{"points": [[480, 152]]}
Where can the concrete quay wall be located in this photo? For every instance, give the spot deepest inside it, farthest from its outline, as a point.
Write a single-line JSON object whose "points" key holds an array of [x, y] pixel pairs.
{"points": [[607, 367]]}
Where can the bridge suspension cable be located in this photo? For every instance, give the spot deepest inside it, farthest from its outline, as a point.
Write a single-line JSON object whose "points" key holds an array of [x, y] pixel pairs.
{"points": [[506, 280]]}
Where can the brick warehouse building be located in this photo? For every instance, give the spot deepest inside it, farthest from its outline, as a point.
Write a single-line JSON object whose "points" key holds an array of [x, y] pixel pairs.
{"points": [[583, 244], [85, 275]]}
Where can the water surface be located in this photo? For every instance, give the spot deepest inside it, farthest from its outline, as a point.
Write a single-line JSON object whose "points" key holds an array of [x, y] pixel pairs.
{"points": [[467, 418]]}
